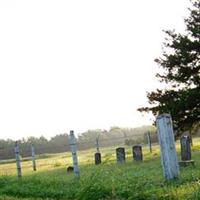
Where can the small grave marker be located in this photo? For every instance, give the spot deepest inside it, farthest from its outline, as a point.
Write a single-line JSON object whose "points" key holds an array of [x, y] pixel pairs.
{"points": [[120, 153], [70, 169], [185, 151], [137, 153], [97, 157]]}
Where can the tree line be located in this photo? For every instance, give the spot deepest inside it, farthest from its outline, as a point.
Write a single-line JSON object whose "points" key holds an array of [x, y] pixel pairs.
{"points": [[86, 140]]}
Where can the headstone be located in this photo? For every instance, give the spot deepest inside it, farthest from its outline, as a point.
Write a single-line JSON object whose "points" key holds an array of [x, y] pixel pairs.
{"points": [[97, 157], [120, 153], [137, 153], [70, 169], [185, 151], [167, 146]]}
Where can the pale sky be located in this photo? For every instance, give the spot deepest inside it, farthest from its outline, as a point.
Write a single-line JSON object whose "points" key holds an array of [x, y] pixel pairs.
{"points": [[79, 65]]}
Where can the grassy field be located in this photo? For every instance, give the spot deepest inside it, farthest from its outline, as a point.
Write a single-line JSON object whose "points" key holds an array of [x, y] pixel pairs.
{"points": [[108, 181]]}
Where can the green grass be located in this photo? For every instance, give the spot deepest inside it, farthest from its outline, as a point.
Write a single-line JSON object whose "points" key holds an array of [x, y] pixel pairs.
{"points": [[108, 181]]}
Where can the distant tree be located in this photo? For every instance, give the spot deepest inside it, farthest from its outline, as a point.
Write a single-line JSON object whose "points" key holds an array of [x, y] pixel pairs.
{"points": [[89, 135], [87, 139], [59, 140], [180, 62], [42, 139]]}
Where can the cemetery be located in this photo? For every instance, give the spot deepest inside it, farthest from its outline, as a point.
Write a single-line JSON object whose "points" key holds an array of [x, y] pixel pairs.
{"points": [[166, 171], [90, 68]]}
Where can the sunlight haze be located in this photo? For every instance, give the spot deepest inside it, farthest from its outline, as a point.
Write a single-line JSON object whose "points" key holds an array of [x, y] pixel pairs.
{"points": [[79, 64]]}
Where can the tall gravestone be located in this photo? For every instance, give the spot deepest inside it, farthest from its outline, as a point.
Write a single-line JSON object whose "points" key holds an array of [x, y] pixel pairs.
{"points": [[167, 146], [120, 153], [185, 151], [137, 153]]}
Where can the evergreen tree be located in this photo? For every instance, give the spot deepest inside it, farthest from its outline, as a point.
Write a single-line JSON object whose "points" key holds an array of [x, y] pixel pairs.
{"points": [[180, 62]]}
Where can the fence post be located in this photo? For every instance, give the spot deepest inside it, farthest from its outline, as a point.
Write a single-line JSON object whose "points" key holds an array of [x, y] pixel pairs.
{"points": [[33, 157], [72, 143], [97, 155], [97, 144], [149, 141], [18, 162], [167, 146]]}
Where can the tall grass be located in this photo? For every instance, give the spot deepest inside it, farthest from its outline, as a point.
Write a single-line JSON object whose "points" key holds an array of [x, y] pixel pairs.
{"points": [[107, 181]]}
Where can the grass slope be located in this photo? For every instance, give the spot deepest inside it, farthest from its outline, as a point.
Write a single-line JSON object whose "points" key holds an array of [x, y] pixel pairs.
{"points": [[108, 181]]}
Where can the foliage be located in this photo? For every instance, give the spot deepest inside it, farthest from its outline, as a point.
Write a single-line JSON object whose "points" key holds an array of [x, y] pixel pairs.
{"points": [[114, 136], [42, 145], [60, 142], [131, 142], [181, 74]]}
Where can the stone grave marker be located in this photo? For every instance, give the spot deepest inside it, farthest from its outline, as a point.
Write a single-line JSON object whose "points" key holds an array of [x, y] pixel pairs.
{"points": [[185, 151], [137, 153], [97, 157], [167, 146], [120, 153]]}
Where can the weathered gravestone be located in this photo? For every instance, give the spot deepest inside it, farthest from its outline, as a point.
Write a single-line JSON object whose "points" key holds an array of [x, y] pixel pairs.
{"points": [[185, 151], [137, 153], [97, 157], [120, 153], [167, 146]]}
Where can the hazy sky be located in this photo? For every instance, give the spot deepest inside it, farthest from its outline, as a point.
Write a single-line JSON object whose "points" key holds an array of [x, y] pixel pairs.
{"points": [[79, 64]]}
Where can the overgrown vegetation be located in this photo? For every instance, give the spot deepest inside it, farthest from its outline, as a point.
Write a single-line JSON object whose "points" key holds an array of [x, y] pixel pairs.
{"points": [[106, 181]]}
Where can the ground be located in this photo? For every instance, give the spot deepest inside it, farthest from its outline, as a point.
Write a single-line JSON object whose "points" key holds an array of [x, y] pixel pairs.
{"points": [[108, 181]]}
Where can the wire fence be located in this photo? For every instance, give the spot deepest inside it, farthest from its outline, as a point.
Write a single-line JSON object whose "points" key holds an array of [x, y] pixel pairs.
{"points": [[48, 158], [60, 155]]}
